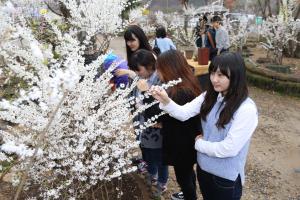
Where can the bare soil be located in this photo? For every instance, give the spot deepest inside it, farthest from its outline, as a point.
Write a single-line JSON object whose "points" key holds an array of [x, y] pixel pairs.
{"points": [[131, 186]]}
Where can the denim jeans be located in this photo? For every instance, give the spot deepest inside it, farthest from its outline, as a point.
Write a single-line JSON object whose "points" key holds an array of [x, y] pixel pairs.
{"points": [[153, 158], [186, 179], [215, 188]]}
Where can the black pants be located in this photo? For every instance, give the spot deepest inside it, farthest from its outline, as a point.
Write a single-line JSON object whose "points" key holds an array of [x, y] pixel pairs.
{"points": [[216, 188], [199, 42], [186, 179]]}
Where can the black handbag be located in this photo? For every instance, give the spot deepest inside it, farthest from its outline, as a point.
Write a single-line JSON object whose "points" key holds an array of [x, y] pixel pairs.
{"points": [[156, 49]]}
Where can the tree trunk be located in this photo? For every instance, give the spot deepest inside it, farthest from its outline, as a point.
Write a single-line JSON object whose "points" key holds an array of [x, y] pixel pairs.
{"points": [[262, 8], [297, 12], [184, 2], [278, 56], [269, 8], [278, 7], [185, 25]]}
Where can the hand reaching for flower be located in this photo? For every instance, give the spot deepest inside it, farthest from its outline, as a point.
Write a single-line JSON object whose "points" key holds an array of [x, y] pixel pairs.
{"points": [[122, 72], [142, 85], [157, 125], [160, 94], [198, 137]]}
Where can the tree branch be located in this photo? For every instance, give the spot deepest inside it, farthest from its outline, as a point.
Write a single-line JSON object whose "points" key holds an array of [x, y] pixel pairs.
{"points": [[39, 144], [52, 10]]}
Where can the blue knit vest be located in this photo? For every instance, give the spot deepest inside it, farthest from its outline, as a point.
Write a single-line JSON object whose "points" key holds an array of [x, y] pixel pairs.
{"points": [[228, 168]]}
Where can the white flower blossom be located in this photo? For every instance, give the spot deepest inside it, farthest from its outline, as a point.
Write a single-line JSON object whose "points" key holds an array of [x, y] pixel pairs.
{"points": [[77, 129]]}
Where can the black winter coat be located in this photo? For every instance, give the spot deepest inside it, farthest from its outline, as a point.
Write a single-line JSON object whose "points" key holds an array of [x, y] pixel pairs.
{"points": [[178, 137]]}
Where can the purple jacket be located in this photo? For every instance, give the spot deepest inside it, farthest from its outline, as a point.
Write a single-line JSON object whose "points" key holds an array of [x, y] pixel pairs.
{"points": [[117, 80]]}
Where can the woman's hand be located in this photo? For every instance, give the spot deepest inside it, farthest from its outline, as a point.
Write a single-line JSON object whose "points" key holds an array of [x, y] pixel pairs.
{"points": [[198, 137], [157, 125], [160, 94], [128, 72], [142, 85]]}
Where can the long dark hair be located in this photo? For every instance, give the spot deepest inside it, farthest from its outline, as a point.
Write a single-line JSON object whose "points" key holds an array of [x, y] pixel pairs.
{"points": [[233, 67], [144, 58], [172, 65], [139, 33]]}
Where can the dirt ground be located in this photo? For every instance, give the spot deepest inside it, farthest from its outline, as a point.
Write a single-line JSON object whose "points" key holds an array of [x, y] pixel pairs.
{"points": [[274, 158]]}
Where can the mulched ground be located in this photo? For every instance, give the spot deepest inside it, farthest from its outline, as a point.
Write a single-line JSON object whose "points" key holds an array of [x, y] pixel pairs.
{"points": [[132, 186]]}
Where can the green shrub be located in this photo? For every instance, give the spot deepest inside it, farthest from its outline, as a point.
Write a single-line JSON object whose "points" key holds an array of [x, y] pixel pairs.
{"points": [[283, 87], [279, 68]]}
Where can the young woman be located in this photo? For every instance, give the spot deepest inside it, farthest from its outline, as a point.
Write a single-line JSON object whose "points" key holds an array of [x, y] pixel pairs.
{"points": [[135, 39], [178, 136], [228, 118], [143, 64]]}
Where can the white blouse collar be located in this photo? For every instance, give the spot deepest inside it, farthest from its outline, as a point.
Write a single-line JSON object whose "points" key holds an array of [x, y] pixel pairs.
{"points": [[220, 98]]}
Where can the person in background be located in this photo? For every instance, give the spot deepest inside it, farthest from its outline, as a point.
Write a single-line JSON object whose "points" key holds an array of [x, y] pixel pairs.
{"points": [[210, 42], [178, 136], [228, 118], [162, 42], [135, 39], [200, 31], [117, 81], [222, 37]]}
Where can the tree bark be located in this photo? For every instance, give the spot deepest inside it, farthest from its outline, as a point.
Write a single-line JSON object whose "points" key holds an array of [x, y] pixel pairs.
{"points": [[278, 4], [262, 8], [269, 8], [297, 12], [184, 2]]}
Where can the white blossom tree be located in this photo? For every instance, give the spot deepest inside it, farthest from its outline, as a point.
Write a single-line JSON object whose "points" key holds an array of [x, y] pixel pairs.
{"points": [[238, 31], [71, 132], [278, 31]]}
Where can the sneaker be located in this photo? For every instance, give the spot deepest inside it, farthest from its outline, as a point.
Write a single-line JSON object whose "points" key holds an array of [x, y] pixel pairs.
{"points": [[151, 180], [161, 188], [177, 196], [154, 182]]}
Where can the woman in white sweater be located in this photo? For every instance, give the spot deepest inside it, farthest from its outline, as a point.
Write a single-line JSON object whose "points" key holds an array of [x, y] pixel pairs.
{"points": [[228, 119]]}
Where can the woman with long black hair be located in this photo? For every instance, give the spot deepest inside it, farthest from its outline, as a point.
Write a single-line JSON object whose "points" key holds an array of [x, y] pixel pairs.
{"points": [[228, 119], [177, 136], [135, 39]]}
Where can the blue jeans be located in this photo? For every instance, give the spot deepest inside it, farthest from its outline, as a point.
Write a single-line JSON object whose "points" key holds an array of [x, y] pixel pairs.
{"points": [[215, 188], [153, 158]]}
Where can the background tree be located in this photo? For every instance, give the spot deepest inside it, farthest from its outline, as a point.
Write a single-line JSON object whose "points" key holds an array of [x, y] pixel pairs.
{"points": [[279, 31]]}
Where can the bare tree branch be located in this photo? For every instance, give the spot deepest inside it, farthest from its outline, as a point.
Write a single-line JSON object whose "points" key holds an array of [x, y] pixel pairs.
{"points": [[52, 10]]}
